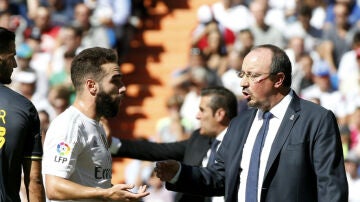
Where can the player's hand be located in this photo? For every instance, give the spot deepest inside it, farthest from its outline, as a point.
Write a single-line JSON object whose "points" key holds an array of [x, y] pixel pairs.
{"points": [[166, 170], [123, 193]]}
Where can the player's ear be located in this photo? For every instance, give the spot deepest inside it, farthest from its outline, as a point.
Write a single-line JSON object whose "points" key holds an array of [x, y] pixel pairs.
{"points": [[91, 86]]}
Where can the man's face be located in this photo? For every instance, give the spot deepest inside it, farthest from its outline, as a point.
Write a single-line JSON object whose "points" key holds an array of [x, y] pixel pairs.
{"points": [[246, 39], [208, 119], [111, 91], [7, 63], [323, 81], [257, 89]]}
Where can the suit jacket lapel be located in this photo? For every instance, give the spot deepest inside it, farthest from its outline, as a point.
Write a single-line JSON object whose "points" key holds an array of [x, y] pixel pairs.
{"points": [[237, 133], [244, 132], [286, 125], [200, 145], [238, 140]]}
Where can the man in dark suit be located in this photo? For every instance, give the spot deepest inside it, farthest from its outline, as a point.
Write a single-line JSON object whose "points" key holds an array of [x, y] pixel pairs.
{"points": [[301, 157], [217, 107]]}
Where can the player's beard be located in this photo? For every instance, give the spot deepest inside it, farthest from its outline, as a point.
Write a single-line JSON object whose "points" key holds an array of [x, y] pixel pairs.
{"points": [[106, 105], [5, 72]]}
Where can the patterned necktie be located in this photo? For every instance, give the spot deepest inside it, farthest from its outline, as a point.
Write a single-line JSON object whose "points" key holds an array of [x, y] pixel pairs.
{"points": [[253, 174], [214, 145]]}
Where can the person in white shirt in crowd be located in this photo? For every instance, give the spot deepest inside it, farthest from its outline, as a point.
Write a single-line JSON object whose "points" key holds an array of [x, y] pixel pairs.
{"points": [[27, 83], [294, 51], [330, 98], [263, 32], [352, 162], [70, 39], [302, 27], [280, 13], [94, 35], [349, 74], [225, 13]]}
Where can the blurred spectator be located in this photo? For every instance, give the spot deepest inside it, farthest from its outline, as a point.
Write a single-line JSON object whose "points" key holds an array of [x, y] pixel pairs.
{"points": [[15, 23], [264, 33], [189, 109], [230, 78], [353, 12], [24, 55], [137, 172], [338, 36], [306, 64], [63, 77], [40, 60], [280, 13], [44, 123], [62, 11], [158, 192], [301, 27], [315, 100], [182, 79], [345, 138], [173, 127], [70, 39], [16, 8], [354, 126], [244, 40], [116, 16], [318, 12], [59, 98], [27, 80], [294, 51], [353, 178], [93, 35], [322, 88], [43, 30], [207, 25], [214, 53], [349, 73], [225, 12]]}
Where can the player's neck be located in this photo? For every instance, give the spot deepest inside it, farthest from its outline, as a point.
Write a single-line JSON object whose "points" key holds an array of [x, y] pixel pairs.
{"points": [[87, 108]]}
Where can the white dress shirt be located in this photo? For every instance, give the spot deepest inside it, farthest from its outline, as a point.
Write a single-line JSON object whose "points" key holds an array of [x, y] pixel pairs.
{"points": [[205, 161], [278, 113]]}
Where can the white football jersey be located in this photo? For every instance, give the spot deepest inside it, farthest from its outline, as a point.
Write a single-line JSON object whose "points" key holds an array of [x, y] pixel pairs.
{"points": [[76, 149]]}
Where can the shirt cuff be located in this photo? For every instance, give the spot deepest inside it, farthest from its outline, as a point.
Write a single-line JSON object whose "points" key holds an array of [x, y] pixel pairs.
{"points": [[176, 177], [115, 145]]}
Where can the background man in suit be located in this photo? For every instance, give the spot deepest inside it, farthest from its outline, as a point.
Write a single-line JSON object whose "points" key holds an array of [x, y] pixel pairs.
{"points": [[217, 107], [301, 159]]}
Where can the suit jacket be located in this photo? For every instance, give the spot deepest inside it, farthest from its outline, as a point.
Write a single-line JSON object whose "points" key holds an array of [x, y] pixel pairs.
{"points": [[305, 162], [191, 151]]}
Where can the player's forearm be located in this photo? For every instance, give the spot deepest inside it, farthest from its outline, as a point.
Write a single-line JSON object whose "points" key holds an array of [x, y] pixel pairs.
{"points": [[33, 180], [36, 191], [58, 188]]}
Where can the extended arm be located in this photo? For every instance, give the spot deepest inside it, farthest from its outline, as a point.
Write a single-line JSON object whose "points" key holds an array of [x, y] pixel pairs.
{"points": [[58, 188], [191, 179], [151, 151]]}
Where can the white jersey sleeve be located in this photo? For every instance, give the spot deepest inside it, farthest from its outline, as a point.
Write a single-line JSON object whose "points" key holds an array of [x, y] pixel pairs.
{"points": [[63, 145]]}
